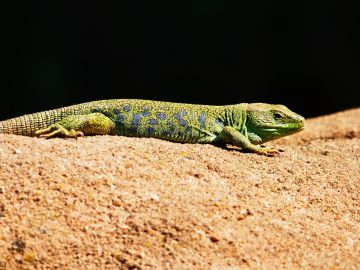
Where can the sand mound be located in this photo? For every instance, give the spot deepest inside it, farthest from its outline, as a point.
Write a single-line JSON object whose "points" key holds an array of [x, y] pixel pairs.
{"points": [[129, 203]]}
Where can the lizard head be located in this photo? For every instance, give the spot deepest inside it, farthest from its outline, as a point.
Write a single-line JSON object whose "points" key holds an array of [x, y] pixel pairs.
{"points": [[266, 122]]}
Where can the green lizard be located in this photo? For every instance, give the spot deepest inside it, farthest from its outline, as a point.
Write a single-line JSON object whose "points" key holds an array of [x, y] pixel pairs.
{"points": [[246, 125]]}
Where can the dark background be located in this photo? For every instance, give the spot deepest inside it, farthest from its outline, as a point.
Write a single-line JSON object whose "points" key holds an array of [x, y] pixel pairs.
{"points": [[302, 54]]}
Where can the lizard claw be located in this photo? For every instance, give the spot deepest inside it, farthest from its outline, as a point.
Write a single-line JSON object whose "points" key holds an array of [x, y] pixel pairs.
{"points": [[57, 130]]}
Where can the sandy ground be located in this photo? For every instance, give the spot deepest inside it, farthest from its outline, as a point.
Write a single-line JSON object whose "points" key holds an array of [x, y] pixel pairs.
{"points": [[129, 203]]}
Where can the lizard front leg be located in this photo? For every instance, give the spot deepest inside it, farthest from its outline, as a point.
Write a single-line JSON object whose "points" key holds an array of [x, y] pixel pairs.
{"points": [[231, 136], [73, 126]]}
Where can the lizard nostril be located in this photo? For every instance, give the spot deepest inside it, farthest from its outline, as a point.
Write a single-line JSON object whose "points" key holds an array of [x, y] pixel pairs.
{"points": [[302, 122]]}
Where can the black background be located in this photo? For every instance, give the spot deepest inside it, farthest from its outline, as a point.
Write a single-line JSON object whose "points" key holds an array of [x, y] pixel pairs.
{"points": [[304, 54]]}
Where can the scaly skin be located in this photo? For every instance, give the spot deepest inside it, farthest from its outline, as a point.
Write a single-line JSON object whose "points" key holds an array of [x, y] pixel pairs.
{"points": [[243, 125]]}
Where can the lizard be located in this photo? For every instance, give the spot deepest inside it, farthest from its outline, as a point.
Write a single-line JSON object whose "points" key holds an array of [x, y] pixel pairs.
{"points": [[245, 125]]}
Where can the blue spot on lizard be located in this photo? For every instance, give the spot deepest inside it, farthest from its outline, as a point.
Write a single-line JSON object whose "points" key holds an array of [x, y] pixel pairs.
{"points": [[219, 123], [136, 120], [126, 108], [153, 121], [161, 116], [202, 119], [171, 129], [179, 116], [146, 111], [119, 119], [150, 130], [182, 122], [169, 132]]}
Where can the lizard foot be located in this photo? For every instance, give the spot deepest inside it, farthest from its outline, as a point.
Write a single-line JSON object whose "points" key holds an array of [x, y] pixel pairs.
{"points": [[267, 151], [57, 130]]}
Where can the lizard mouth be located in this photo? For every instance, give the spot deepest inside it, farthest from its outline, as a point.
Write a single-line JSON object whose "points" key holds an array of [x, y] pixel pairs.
{"points": [[301, 125], [284, 129]]}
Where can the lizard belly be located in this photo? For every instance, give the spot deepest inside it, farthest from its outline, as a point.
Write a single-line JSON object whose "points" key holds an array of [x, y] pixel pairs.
{"points": [[190, 134]]}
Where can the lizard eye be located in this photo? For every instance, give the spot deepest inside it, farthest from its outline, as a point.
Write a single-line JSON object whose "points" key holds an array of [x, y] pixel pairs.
{"points": [[278, 116]]}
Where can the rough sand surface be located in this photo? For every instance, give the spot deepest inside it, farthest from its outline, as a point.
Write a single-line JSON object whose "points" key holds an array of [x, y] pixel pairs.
{"points": [[129, 203]]}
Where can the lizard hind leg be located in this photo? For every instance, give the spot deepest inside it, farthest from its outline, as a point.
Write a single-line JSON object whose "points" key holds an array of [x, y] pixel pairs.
{"points": [[73, 126]]}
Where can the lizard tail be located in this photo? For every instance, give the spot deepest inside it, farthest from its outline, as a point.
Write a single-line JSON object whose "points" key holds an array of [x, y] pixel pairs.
{"points": [[29, 123]]}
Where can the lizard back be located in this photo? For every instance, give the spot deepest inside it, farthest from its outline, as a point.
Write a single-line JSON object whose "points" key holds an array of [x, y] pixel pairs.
{"points": [[179, 122]]}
